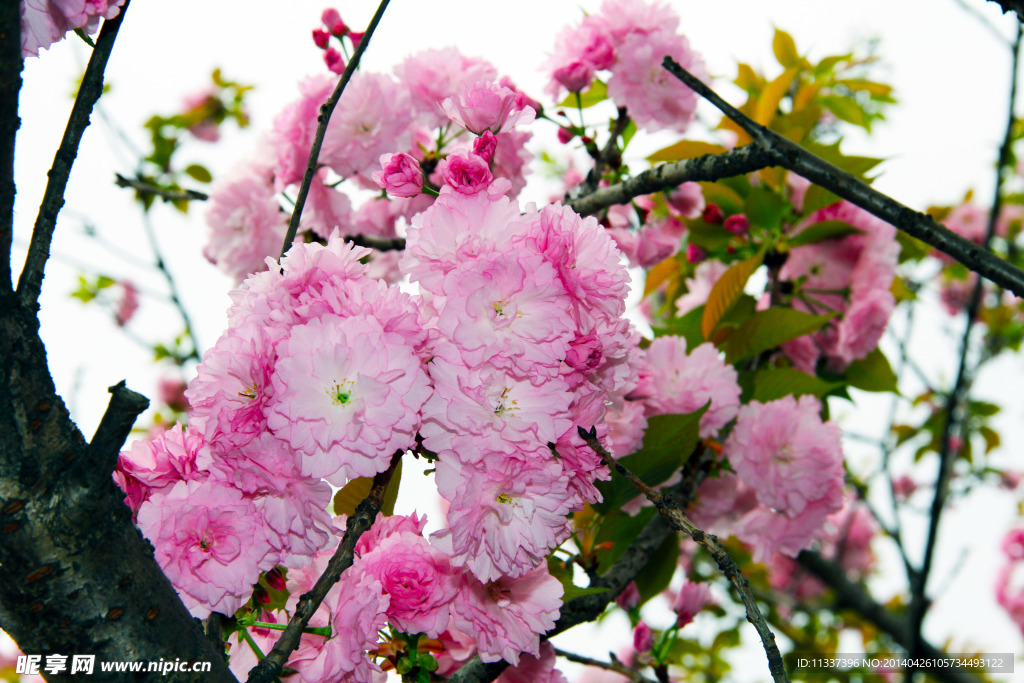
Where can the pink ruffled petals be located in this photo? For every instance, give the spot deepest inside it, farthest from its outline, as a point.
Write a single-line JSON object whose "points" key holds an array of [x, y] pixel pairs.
{"points": [[347, 395], [401, 175], [156, 465], [507, 616], [484, 106], [431, 76]]}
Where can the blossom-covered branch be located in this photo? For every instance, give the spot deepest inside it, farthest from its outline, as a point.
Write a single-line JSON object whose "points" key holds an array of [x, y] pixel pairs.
{"points": [[11, 63], [793, 157], [325, 118], [270, 667], [725, 563], [31, 279]]}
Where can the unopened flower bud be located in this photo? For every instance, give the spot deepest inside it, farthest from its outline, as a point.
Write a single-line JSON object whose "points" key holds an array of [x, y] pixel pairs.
{"points": [[334, 61], [321, 38], [629, 597], [643, 637], [713, 214], [485, 145], [565, 135], [738, 224], [275, 579], [695, 254]]}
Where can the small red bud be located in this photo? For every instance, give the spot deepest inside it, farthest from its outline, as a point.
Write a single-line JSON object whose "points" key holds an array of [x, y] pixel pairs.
{"points": [[333, 60], [275, 579], [321, 38], [738, 224], [713, 214], [355, 37], [695, 254], [565, 135], [262, 596]]}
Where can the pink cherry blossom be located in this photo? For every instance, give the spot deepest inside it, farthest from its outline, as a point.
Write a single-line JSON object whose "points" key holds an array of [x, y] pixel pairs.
{"points": [[692, 598], [431, 76], [485, 106], [786, 452], [768, 531], [327, 208], [465, 173], [654, 98], [155, 465], [210, 542], [294, 128], [347, 394], [682, 383], [417, 577], [506, 513], [127, 304], [401, 175], [540, 669], [246, 223], [44, 22], [507, 616], [687, 200], [699, 286]]}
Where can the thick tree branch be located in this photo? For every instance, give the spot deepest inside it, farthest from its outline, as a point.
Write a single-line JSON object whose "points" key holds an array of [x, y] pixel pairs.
{"points": [[1012, 6], [793, 157], [124, 408], [31, 280], [726, 564], [853, 596], [11, 63], [325, 118], [378, 243], [961, 386], [366, 513]]}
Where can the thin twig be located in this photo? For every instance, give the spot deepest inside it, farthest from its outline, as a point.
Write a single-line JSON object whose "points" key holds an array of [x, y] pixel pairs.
{"points": [[11, 63], [791, 156], [983, 20], [31, 280], [961, 387], [359, 522], [325, 117], [167, 195], [172, 287], [614, 665], [378, 243], [725, 563]]}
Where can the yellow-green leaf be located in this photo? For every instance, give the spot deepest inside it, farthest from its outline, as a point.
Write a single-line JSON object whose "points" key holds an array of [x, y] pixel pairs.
{"points": [[596, 93], [353, 493], [872, 373], [685, 149], [774, 383], [748, 79], [819, 232], [845, 108], [773, 93], [726, 291], [784, 48], [767, 329], [659, 273], [870, 87]]}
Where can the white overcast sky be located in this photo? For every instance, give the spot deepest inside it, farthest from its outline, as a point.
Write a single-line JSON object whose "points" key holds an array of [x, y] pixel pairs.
{"points": [[949, 70]]}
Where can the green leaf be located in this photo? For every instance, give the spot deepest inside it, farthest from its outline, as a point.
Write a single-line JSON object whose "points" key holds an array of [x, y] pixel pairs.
{"points": [[784, 48], [617, 531], [819, 232], [85, 36], [687, 327], [727, 291], [817, 197], [353, 493], [845, 108], [597, 93], [199, 173], [767, 329], [872, 373], [982, 408], [668, 443], [721, 195], [685, 149], [860, 85], [774, 383], [765, 208], [711, 237], [991, 436], [628, 133], [911, 248], [657, 573], [771, 96]]}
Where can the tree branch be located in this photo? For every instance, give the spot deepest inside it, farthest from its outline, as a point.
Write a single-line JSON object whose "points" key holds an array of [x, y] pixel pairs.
{"points": [[614, 665], [124, 408], [1012, 6], [11, 63], [961, 386], [325, 118], [793, 157], [31, 280], [165, 194], [366, 513], [852, 596], [378, 243], [726, 564]]}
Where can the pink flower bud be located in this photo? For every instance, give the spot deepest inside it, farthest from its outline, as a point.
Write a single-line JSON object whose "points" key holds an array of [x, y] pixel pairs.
{"points": [[485, 145], [401, 175], [575, 77], [629, 597], [128, 304], [687, 199], [261, 594], [695, 254], [713, 214], [334, 61], [643, 637], [356, 37], [276, 580], [467, 174], [738, 224], [693, 597], [321, 38], [330, 18], [565, 135]]}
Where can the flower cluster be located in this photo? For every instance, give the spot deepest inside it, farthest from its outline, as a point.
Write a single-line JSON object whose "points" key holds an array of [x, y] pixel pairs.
{"points": [[45, 22], [630, 38]]}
